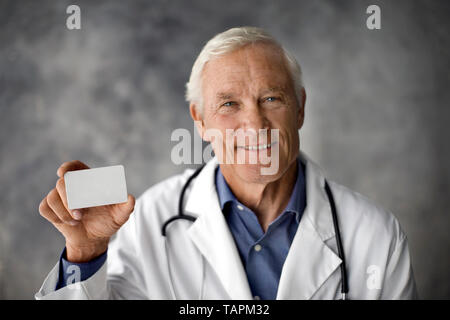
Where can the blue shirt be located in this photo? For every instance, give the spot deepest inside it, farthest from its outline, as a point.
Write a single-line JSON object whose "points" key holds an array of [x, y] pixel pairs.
{"points": [[70, 272], [262, 254]]}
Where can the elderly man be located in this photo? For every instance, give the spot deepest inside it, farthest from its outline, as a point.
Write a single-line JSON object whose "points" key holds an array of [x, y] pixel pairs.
{"points": [[240, 234]]}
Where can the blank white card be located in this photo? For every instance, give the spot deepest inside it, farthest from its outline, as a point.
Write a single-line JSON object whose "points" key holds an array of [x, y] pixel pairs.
{"points": [[95, 187]]}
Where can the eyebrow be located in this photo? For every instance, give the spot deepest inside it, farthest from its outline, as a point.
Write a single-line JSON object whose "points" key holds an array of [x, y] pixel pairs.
{"points": [[274, 89], [229, 95], [224, 96]]}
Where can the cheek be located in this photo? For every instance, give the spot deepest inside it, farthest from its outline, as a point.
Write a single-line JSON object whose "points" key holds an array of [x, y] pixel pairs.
{"points": [[215, 129], [222, 122], [284, 118], [289, 131]]}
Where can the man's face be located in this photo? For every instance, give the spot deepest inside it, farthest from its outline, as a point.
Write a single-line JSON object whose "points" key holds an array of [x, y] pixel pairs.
{"points": [[247, 90]]}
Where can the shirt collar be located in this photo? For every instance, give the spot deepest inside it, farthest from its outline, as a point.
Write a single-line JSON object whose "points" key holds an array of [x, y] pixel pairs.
{"points": [[223, 190], [297, 201]]}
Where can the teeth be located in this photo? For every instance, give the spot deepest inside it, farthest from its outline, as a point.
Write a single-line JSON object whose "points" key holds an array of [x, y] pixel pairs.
{"points": [[259, 147]]}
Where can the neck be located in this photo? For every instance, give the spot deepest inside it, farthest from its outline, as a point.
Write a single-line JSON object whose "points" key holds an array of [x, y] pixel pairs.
{"points": [[266, 200]]}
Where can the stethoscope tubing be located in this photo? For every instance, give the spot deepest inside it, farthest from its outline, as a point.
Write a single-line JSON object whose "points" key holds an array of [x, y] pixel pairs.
{"points": [[344, 278]]}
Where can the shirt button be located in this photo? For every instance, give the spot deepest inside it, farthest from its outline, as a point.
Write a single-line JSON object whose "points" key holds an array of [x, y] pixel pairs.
{"points": [[257, 247], [240, 207], [257, 298]]}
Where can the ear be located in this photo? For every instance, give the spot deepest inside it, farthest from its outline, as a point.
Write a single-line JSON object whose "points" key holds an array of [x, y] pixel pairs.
{"points": [[198, 119], [301, 112]]}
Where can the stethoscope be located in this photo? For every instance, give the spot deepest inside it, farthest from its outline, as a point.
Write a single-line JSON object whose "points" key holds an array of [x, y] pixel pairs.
{"points": [[182, 216]]}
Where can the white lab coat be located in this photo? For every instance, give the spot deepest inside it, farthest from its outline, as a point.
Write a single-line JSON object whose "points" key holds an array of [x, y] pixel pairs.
{"points": [[205, 263]]}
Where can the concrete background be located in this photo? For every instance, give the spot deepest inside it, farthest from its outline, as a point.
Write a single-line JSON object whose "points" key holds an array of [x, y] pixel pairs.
{"points": [[376, 116]]}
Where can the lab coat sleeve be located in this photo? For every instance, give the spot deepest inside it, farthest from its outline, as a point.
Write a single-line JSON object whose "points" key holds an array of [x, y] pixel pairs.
{"points": [[118, 278], [399, 283], [92, 288]]}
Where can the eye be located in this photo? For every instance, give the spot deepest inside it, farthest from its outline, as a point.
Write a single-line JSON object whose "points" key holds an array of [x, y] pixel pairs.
{"points": [[271, 99], [228, 104]]}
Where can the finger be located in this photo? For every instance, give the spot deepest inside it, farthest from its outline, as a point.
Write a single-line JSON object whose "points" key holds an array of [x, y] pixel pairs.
{"points": [[55, 203], [70, 166], [129, 205], [124, 210], [61, 188], [46, 212]]}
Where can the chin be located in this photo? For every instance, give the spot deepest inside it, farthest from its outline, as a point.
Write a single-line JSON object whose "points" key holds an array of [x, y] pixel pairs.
{"points": [[252, 173]]}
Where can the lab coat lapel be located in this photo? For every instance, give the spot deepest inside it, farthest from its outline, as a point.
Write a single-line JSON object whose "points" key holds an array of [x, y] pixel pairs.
{"points": [[310, 262], [211, 235]]}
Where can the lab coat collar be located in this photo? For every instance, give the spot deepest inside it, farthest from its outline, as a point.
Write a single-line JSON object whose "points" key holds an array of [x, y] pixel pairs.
{"points": [[318, 209], [309, 262], [211, 235]]}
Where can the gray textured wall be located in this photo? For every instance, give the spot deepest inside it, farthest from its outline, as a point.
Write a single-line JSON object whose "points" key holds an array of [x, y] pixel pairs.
{"points": [[376, 116]]}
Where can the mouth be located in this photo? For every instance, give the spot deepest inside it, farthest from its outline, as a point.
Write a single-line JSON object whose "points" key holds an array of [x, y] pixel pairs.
{"points": [[257, 147]]}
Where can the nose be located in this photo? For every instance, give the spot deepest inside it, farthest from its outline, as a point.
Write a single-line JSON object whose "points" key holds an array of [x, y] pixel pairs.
{"points": [[254, 118]]}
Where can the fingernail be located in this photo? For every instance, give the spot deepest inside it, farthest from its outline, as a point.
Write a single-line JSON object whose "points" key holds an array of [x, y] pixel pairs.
{"points": [[77, 215]]}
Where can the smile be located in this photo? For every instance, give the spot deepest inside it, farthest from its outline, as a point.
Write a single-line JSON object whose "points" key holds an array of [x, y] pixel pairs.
{"points": [[258, 147]]}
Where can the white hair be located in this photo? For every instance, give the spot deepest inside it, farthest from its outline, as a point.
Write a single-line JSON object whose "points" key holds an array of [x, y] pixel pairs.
{"points": [[228, 41]]}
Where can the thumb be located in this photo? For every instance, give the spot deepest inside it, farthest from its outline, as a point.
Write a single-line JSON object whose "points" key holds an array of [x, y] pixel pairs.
{"points": [[124, 210], [70, 166]]}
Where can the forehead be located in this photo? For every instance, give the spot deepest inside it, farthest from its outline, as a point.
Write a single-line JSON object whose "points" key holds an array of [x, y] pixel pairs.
{"points": [[253, 66]]}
